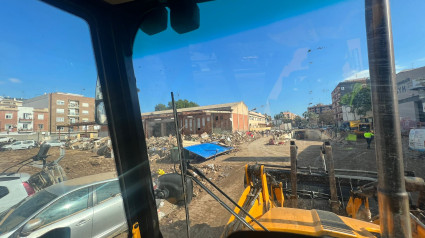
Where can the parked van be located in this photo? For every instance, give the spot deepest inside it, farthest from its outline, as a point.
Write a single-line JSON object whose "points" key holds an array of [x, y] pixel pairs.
{"points": [[417, 139]]}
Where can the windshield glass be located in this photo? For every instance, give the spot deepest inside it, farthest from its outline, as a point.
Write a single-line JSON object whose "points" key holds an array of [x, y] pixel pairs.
{"points": [[47, 87], [25, 209], [259, 77]]}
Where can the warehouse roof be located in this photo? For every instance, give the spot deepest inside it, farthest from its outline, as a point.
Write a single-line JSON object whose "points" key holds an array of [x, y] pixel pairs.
{"points": [[201, 108]]}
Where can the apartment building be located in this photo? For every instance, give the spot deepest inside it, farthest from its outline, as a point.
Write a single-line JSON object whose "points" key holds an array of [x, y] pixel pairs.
{"points": [[320, 108], [340, 90], [256, 120], [65, 109], [16, 118], [288, 115]]}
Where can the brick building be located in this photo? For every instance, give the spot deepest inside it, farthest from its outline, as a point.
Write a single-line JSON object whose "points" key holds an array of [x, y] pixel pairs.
{"points": [[8, 119], [340, 90], [288, 115], [320, 108], [256, 121], [197, 120], [64, 109], [9, 114]]}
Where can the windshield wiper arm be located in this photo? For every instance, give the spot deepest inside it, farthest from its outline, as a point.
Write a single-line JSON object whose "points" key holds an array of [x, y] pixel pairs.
{"points": [[197, 171]]}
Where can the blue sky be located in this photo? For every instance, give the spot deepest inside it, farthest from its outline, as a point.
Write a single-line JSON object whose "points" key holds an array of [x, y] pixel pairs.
{"points": [[278, 57]]}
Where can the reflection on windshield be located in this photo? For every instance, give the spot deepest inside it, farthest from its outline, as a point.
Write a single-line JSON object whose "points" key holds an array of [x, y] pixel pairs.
{"points": [[23, 210]]}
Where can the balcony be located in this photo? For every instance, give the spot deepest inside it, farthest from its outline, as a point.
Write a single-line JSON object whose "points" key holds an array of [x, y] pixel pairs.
{"points": [[73, 105], [28, 119], [73, 114]]}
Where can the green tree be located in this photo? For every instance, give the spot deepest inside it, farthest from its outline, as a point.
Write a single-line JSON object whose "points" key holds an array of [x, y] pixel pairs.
{"points": [[362, 102], [311, 117], [160, 107], [359, 99], [179, 104], [183, 104], [327, 118]]}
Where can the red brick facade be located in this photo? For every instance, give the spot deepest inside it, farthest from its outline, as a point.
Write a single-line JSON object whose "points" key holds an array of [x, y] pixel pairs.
{"points": [[240, 122], [66, 109], [41, 120], [8, 119]]}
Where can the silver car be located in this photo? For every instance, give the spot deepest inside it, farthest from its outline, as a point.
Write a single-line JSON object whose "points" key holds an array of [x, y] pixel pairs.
{"points": [[90, 206], [20, 145], [55, 143]]}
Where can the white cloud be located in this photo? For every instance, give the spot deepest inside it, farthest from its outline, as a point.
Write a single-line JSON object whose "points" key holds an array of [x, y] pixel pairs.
{"points": [[295, 89], [319, 80], [15, 80], [365, 73], [399, 68]]}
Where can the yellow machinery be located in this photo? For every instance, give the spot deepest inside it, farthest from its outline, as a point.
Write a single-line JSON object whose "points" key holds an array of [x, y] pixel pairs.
{"points": [[322, 202], [359, 127]]}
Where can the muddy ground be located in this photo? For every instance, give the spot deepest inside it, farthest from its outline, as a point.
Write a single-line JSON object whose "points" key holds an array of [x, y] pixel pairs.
{"points": [[207, 216]]}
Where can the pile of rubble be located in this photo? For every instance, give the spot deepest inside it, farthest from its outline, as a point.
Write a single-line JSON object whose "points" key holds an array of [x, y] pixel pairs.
{"points": [[100, 146], [160, 147]]}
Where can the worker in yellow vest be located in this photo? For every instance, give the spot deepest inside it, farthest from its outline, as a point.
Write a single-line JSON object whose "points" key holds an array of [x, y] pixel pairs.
{"points": [[368, 136]]}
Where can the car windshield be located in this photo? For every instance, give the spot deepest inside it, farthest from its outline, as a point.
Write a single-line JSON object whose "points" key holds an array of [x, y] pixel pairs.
{"points": [[259, 83], [14, 216]]}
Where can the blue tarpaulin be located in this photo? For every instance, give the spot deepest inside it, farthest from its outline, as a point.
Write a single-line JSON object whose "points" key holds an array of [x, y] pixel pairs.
{"points": [[208, 150]]}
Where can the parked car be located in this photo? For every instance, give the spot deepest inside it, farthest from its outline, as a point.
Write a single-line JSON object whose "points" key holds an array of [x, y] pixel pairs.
{"points": [[13, 189], [90, 206], [20, 145], [55, 143], [6, 139]]}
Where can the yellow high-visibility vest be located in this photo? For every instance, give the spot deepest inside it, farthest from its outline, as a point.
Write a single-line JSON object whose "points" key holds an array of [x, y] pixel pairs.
{"points": [[368, 135]]}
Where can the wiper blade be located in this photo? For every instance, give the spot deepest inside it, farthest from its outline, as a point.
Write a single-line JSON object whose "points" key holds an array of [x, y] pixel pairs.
{"points": [[197, 171]]}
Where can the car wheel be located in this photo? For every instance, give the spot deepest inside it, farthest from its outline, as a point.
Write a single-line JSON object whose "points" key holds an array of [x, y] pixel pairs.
{"points": [[9, 149], [30, 147]]}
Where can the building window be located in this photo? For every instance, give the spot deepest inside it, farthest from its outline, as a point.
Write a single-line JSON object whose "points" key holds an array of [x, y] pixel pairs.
{"points": [[9, 116], [71, 120], [185, 123], [60, 119], [60, 102], [85, 119], [27, 115], [199, 123], [208, 119], [25, 126], [60, 110], [40, 116], [203, 122], [73, 104], [59, 128], [85, 104], [72, 112], [85, 112], [190, 124], [342, 88], [40, 126]]}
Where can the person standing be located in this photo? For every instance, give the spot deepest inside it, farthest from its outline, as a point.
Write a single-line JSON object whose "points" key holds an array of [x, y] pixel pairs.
{"points": [[368, 136]]}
